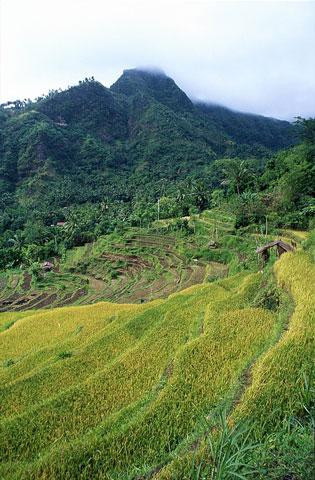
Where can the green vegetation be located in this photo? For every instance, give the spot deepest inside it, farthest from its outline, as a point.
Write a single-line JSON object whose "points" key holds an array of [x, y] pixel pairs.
{"points": [[153, 342], [139, 265], [102, 159], [126, 371]]}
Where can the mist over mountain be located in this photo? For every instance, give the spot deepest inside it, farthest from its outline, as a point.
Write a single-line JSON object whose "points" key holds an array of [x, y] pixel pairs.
{"points": [[144, 121], [121, 148]]}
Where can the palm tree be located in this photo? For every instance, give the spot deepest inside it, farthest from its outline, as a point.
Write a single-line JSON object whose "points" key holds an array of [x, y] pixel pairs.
{"points": [[200, 194], [236, 172], [16, 241]]}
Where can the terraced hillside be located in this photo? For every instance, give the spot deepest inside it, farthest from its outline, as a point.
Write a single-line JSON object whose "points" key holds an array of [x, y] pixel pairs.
{"points": [[135, 267], [144, 267], [138, 265], [128, 391]]}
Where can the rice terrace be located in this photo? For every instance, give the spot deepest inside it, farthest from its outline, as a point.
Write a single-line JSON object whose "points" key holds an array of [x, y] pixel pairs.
{"points": [[157, 240], [100, 389]]}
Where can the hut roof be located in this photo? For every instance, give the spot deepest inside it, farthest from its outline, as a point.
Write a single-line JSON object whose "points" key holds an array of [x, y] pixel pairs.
{"points": [[285, 246], [47, 265]]}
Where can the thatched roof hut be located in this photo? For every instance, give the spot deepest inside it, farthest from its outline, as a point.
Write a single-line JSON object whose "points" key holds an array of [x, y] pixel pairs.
{"points": [[47, 266], [282, 247]]}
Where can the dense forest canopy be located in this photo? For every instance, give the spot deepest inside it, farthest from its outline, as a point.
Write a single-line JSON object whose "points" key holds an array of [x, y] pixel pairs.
{"points": [[99, 159]]}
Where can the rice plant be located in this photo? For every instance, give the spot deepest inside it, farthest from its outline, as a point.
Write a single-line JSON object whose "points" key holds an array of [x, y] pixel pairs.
{"points": [[229, 448], [119, 391]]}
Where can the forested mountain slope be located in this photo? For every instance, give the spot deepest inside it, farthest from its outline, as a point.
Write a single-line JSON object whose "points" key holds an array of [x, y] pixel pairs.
{"points": [[143, 126], [100, 158]]}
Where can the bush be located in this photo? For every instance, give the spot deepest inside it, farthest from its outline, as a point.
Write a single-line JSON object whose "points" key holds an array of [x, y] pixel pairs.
{"points": [[9, 362], [227, 452], [35, 270], [63, 355]]}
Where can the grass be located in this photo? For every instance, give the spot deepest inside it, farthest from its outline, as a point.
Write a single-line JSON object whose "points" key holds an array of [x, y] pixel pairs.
{"points": [[170, 353], [276, 407], [141, 265], [278, 377], [129, 391], [8, 319]]}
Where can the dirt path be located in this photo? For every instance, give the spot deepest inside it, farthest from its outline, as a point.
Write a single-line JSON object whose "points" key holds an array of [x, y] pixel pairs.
{"points": [[27, 281], [96, 284]]}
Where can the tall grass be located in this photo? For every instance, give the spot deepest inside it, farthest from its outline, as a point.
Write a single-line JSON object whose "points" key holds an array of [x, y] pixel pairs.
{"points": [[278, 376], [125, 391]]}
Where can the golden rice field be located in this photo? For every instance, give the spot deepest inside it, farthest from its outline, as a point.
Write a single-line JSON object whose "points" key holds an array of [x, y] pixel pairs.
{"points": [[121, 391]]}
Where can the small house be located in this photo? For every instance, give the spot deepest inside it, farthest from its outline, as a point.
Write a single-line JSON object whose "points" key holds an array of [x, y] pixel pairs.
{"points": [[47, 266], [281, 246]]}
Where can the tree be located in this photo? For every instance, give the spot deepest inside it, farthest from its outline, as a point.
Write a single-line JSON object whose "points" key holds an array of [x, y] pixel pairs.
{"points": [[200, 194], [35, 270], [217, 198], [17, 242], [168, 207], [237, 174], [307, 129]]}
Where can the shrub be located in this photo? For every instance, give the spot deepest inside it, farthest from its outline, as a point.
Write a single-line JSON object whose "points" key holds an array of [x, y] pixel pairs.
{"points": [[63, 355], [9, 362]]}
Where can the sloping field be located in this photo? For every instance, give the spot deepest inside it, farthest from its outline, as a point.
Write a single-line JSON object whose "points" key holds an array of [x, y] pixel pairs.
{"points": [[138, 268], [279, 384], [118, 391], [139, 265]]}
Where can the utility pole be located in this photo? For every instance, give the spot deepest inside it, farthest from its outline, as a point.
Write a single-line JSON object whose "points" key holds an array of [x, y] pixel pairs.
{"points": [[266, 225], [158, 212]]}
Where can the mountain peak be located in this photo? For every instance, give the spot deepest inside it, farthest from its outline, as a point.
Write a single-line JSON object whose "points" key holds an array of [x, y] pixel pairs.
{"points": [[152, 82], [145, 71]]}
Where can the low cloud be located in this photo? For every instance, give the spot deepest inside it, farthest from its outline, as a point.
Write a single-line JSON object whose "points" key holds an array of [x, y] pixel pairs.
{"points": [[251, 56]]}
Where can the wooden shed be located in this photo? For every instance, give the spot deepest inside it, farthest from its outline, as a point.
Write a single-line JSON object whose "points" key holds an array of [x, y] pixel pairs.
{"points": [[282, 247], [47, 266]]}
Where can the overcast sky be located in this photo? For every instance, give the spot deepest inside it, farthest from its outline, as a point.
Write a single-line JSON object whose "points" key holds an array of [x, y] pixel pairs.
{"points": [[255, 56]]}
